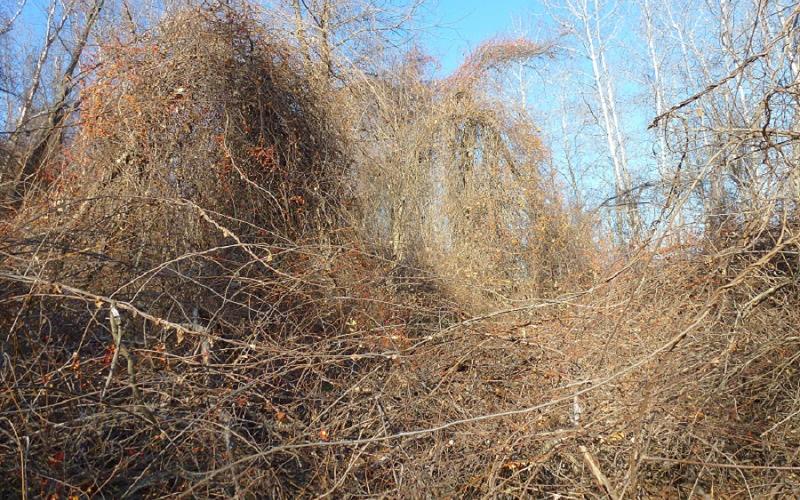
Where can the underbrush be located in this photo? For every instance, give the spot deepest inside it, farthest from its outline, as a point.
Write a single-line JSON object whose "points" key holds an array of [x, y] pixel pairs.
{"points": [[197, 300]]}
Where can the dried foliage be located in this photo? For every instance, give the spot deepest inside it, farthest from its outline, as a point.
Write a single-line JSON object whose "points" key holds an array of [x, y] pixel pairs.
{"points": [[467, 197], [243, 278]]}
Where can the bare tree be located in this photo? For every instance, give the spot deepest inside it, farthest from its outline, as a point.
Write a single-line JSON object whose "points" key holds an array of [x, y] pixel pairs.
{"points": [[8, 23], [338, 33], [585, 20], [740, 84], [28, 143]]}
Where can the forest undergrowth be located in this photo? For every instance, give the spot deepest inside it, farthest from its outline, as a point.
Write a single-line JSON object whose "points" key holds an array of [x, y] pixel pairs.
{"points": [[222, 278]]}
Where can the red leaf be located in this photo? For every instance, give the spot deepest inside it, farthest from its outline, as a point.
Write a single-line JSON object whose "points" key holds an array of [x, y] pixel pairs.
{"points": [[56, 459]]}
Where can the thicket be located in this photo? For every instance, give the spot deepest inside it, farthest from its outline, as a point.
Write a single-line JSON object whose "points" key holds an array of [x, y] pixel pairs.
{"points": [[247, 269]]}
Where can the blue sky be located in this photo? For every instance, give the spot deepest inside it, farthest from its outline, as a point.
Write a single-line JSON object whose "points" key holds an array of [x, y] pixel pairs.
{"points": [[460, 25], [454, 26]]}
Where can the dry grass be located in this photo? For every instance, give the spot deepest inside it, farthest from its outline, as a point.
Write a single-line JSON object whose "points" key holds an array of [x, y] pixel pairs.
{"points": [[279, 337]]}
